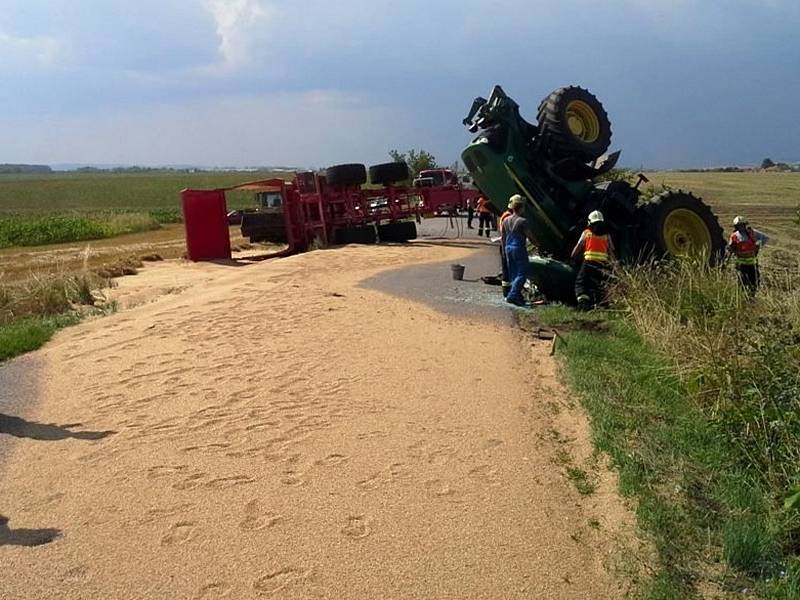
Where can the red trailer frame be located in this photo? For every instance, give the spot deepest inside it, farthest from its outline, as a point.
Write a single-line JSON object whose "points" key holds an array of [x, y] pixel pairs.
{"points": [[313, 211]]}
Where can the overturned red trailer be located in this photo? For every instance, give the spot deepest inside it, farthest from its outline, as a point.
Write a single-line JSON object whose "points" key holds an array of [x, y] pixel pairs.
{"points": [[318, 209]]}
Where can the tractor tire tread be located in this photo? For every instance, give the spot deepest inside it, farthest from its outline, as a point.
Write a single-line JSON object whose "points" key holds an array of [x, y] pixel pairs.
{"points": [[552, 125]]}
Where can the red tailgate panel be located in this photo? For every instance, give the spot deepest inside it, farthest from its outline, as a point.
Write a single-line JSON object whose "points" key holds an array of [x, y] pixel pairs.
{"points": [[206, 223]]}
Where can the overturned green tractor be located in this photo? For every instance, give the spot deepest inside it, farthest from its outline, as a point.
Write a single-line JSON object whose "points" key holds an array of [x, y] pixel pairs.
{"points": [[554, 165]]}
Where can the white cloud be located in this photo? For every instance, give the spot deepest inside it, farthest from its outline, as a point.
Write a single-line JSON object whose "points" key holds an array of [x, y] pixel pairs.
{"points": [[237, 22], [39, 50]]}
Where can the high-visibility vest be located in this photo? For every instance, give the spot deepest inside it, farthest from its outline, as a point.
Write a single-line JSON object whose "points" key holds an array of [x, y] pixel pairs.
{"points": [[504, 216], [745, 249], [483, 205], [595, 247]]}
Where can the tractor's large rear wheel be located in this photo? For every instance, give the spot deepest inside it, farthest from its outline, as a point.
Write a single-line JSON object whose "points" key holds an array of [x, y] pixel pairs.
{"points": [[574, 124], [681, 225]]}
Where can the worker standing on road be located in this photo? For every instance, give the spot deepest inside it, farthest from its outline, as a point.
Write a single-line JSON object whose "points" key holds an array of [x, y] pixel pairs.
{"points": [[745, 243], [484, 216], [505, 282], [595, 250], [470, 213], [515, 234]]}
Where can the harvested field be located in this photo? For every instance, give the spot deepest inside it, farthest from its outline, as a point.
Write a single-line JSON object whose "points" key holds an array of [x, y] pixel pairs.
{"points": [[769, 200], [280, 430]]}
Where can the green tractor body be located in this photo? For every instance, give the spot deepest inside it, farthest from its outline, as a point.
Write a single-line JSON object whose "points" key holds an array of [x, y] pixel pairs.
{"points": [[553, 164]]}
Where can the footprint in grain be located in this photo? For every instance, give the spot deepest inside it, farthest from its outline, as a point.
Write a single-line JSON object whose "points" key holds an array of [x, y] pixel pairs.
{"points": [[179, 533], [255, 518], [214, 589], [372, 482], [279, 580], [357, 527], [75, 574], [191, 482], [227, 482], [485, 473], [331, 460], [164, 470], [439, 488]]}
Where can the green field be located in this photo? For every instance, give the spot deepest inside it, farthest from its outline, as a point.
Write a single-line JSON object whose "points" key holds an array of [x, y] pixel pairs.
{"points": [[99, 192], [65, 207], [89, 205]]}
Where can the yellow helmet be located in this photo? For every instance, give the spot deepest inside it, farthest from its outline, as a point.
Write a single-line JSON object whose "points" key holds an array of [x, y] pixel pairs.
{"points": [[595, 217], [739, 220]]}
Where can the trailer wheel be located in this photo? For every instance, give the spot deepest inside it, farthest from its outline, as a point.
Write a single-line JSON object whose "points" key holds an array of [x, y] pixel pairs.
{"points": [[346, 175], [681, 225], [388, 173], [398, 232], [574, 124], [356, 235]]}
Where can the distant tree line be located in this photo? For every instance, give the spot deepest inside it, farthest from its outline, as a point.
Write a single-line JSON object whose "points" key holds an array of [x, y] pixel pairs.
{"points": [[15, 169]]}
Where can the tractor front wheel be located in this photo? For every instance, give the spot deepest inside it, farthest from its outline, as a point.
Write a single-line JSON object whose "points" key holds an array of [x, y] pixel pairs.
{"points": [[681, 225]]}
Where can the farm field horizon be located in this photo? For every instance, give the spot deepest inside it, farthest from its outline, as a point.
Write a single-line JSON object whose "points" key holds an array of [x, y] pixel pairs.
{"points": [[123, 203]]}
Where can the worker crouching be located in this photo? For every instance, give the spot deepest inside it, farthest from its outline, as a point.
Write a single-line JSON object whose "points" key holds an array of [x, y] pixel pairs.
{"points": [[595, 251]]}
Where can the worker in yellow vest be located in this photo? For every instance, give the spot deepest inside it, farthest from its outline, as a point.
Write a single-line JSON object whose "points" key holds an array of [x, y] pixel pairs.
{"points": [[595, 251], [744, 245]]}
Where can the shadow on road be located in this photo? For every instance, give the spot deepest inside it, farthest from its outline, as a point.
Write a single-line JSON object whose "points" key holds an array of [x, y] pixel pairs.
{"points": [[21, 428], [25, 537]]}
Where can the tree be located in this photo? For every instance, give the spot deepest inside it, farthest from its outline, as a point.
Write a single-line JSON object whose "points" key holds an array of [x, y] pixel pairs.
{"points": [[767, 163], [417, 160]]}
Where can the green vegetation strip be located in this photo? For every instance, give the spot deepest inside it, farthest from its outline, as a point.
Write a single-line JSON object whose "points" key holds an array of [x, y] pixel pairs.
{"points": [[40, 230], [714, 519], [25, 335]]}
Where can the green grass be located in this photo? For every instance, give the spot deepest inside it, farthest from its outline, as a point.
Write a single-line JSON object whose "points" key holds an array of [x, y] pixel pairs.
{"points": [[25, 335], [581, 480], [705, 505]]}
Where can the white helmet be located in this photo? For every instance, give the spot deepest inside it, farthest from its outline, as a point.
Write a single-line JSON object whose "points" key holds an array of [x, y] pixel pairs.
{"points": [[595, 217], [739, 220]]}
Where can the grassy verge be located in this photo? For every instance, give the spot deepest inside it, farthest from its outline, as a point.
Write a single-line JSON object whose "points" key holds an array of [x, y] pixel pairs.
{"points": [[24, 335], [701, 429], [33, 310]]}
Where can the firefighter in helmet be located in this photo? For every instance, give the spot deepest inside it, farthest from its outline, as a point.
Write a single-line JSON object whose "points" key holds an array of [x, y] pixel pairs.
{"points": [[744, 245], [594, 251]]}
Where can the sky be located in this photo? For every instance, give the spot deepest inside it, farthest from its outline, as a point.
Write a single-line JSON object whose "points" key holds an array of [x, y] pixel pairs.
{"points": [[687, 83]]}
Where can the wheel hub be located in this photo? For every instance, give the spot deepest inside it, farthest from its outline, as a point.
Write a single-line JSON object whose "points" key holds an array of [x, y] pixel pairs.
{"points": [[582, 121], [686, 234]]}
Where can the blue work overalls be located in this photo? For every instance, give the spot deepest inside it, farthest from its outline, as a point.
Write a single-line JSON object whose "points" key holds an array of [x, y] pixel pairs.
{"points": [[517, 260]]}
